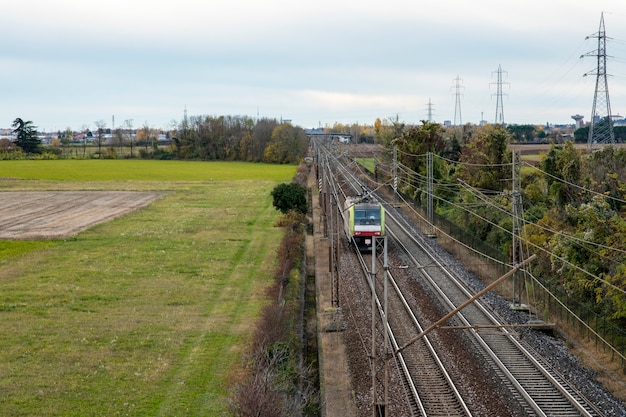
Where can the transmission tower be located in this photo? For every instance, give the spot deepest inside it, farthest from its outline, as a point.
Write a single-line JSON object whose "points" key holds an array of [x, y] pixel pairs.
{"points": [[601, 125], [499, 106], [430, 110], [457, 106]]}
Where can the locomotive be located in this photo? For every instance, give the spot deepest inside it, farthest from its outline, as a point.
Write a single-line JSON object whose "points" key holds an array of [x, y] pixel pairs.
{"points": [[364, 219]]}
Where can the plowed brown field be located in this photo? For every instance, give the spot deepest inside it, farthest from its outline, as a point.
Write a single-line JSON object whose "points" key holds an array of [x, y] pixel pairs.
{"points": [[59, 214]]}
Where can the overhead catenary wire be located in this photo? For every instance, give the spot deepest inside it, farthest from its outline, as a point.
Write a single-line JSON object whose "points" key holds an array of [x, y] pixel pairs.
{"points": [[504, 210], [586, 190], [412, 179], [526, 242]]}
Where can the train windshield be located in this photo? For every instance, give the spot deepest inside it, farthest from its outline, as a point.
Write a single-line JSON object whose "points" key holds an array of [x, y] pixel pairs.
{"points": [[367, 215]]}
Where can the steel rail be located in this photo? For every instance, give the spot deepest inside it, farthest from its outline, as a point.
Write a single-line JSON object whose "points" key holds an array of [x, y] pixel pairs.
{"points": [[450, 383], [581, 406], [445, 404], [489, 342], [413, 396]]}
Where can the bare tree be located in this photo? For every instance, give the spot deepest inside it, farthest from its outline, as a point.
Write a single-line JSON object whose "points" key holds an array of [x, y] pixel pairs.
{"points": [[258, 394], [118, 139], [101, 125], [148, 135], [85, 131], [66, 139], [128, 124]]}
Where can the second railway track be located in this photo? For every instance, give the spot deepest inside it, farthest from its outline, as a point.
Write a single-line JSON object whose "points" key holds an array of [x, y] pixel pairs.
{"points": [[522, 382], [538, 390]]}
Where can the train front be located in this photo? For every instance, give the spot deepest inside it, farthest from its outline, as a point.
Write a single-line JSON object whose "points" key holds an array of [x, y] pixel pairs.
{"points": [[369, 222]]}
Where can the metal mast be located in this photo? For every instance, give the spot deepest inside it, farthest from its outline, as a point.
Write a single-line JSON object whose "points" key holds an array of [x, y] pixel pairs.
{"points": [[457, 106], [379, 359], [601, 124], [517, 223], [499, 106], [430, 111], [429, 185]]}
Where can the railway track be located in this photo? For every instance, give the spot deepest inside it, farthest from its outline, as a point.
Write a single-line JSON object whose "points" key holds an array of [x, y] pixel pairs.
{"points": [[531, 383], [430, 389]]}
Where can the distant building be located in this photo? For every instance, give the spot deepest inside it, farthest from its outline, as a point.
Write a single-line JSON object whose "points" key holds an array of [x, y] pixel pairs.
{"points": [[579, 120]]}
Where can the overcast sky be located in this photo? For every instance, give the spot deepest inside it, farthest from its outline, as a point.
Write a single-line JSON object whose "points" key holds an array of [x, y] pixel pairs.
{"points": [[69, 63]]}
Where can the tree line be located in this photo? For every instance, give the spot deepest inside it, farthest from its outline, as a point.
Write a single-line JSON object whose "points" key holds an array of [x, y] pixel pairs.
{"points": [[208, 138], [240, 138], [534, 134], [574, 206]]}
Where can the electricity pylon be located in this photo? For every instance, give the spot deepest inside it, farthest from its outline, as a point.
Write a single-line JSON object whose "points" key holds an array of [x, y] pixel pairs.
{"points": [[457, 105], [429, 109], [499, 106], [601, 124]]}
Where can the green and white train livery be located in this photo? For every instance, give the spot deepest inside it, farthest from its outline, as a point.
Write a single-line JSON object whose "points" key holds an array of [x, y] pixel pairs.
{"points": [[364, 219]]}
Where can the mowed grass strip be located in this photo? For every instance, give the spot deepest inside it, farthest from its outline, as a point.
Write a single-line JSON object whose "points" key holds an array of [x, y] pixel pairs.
{"points": [[146, 315]]}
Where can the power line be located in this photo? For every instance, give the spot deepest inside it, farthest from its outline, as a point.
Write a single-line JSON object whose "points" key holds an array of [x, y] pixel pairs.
{"points": [[571, 184], [527, 242]]}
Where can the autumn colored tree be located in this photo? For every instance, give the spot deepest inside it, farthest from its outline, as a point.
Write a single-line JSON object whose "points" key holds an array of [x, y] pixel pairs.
{"points": [[415, 142], [66, 138], [288, 145], [605, 172], [485, 160], [388, 130], [582, 233], [245, 147], [147, 137], [261, 138], [563, 166]]}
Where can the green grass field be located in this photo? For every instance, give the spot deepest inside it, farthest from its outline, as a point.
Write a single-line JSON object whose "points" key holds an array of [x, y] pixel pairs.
{"points": [[368, 163], [146, 315], [139, 170]]}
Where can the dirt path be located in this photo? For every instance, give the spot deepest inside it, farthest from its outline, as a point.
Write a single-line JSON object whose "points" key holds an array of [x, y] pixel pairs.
{"points": [[59, 214]]}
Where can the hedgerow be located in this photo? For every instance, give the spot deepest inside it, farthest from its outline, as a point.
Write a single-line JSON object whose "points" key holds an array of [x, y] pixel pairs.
{"points": [[272, 384]]}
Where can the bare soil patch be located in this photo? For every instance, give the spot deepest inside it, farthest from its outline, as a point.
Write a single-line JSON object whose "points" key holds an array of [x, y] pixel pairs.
{"points": [[59, 214]]}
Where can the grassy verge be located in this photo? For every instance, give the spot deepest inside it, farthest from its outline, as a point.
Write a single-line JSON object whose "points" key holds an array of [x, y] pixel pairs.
{"points": [[144, 315], [368, 163]]}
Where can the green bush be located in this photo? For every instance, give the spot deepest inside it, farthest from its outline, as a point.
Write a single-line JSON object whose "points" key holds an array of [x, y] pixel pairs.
{"points": [[291, 196]]}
